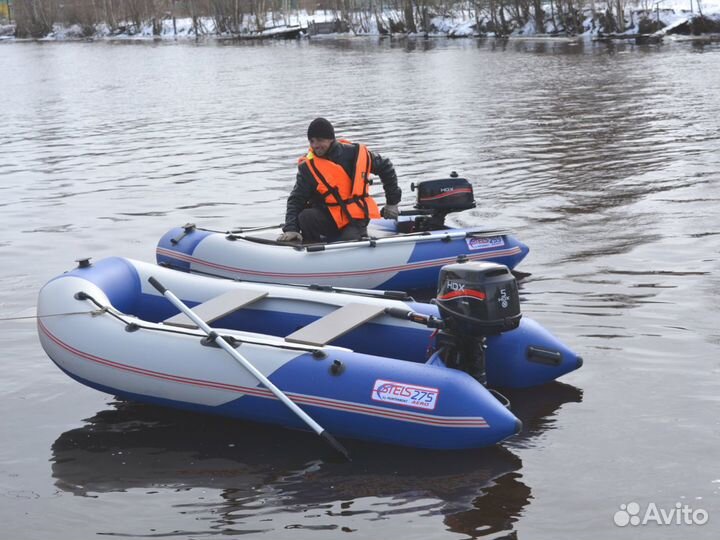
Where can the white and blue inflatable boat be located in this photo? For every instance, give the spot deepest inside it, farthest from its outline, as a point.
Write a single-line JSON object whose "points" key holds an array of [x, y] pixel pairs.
{"points": [[406, 254], [385, 260], [372, 365]]}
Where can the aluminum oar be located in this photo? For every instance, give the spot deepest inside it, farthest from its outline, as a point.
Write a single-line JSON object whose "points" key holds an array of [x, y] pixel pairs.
{"points": [[428, 236], [214, 336]]}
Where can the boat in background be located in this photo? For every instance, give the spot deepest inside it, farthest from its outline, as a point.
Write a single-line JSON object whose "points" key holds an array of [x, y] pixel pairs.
{"points": [[406, 254]]}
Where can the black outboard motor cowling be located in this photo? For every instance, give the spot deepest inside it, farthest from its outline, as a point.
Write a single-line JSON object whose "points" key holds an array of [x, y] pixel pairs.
{"points": [[435, 200], [476, 300], [446, 195]]}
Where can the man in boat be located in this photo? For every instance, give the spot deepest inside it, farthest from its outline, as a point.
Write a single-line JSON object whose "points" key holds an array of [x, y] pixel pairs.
{"points": [[330, 200]]}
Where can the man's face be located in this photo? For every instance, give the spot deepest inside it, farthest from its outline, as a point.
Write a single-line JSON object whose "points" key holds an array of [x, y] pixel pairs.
{"points": [[320, 147]]}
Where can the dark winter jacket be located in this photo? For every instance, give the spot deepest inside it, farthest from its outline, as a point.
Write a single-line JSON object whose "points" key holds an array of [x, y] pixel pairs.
{"points": [[305, 193]]}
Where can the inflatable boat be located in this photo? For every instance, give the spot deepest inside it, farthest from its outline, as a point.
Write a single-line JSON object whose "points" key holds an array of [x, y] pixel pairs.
{"points": [[367, 365], [404, 254]]}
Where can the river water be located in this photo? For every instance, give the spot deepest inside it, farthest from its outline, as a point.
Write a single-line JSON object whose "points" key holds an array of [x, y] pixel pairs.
{"points": [[603, 159]]}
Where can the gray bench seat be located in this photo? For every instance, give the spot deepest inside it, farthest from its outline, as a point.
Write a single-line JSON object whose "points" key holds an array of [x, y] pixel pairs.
{"points": [[218, 307], [335, 324]]}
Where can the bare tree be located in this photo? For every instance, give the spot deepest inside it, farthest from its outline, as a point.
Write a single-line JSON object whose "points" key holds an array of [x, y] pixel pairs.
{"points": [[620, 6], [260, 13], [409, 16], [34, 18], [539, 16]]}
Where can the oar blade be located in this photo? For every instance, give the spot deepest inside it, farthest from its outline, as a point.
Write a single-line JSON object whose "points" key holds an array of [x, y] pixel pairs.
{"points": [[339, 448]]}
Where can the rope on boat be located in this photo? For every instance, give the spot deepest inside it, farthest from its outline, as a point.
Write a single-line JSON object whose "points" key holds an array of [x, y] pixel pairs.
{"points": [[190, 227], [132, 326], [94, 313]]}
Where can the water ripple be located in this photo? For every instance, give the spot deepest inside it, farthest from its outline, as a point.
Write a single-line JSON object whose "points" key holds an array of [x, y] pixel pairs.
{"points": [[602, 159]]}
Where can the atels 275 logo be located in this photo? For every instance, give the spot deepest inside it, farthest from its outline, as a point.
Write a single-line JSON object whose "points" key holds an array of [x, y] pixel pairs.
{"points": [[487, 242], [680, 514], [408, 395]]}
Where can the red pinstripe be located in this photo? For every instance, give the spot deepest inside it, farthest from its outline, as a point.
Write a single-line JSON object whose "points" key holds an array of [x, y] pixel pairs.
{"points": [[327, 403], [388, 269]]}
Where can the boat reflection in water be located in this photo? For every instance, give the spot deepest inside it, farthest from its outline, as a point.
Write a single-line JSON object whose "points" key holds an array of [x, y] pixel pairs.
{"points": [[260, 469]]}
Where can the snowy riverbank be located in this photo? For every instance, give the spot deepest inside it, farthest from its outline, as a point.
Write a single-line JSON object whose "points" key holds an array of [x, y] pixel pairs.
{"points": [[674, 19]]}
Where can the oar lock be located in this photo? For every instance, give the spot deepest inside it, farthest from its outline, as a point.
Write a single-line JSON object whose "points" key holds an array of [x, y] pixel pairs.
{"points": [[210, 340], [337, 367]]}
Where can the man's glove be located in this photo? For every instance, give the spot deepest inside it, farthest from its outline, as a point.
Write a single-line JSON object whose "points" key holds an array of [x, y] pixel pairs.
{"points": [[290, 236], [390, 211]]}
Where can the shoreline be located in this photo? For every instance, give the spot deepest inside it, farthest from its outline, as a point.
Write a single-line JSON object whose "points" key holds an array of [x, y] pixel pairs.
{"points": [[538, 38], [652, 26]]}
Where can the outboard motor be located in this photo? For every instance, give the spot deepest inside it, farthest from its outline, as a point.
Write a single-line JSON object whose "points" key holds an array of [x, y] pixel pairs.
{"points": [[476, 300], [438, 198]]}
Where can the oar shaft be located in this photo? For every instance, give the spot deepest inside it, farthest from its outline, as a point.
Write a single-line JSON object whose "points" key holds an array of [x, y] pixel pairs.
{"points": [[412, 237], [240, 230], [317, 428]]}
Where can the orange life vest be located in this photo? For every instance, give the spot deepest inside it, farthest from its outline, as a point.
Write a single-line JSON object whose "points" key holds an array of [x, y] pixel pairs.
{"points": [[346, 198]]}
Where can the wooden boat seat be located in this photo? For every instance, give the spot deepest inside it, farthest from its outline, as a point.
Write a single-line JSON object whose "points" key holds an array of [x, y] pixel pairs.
{"points": [[218, 307], [335, 324]]}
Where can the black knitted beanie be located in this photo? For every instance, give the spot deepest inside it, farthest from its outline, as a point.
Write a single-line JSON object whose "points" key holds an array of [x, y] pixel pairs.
{"points": [[320, 129]]}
